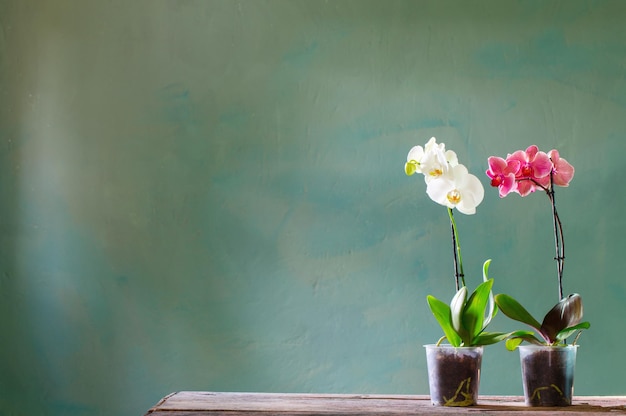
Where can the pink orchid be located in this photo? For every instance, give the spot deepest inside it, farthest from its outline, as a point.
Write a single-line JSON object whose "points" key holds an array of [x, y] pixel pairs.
{"points": [[502, 173], [563, 171], [534, 170], [535, 167]]}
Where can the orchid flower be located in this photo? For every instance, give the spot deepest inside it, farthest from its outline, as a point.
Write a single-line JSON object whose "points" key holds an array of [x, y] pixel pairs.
{"points": [[563, 172], [502, 174], [432, 160], [457, 189], [535, 167]]}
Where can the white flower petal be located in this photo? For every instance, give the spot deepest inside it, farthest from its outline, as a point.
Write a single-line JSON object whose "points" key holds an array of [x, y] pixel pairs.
{"points": [[438, 188], [457, 189], [472, 185], [416, 153], [451, 158], [432, 145]]}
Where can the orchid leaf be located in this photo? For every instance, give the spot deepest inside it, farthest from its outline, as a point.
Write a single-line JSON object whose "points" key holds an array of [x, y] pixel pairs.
{"points": [[465, 318], [514, 310], [512, 343], [457, 306], [567, 313], [492, 306], [487, 338], [520, 336], [565, 333], [474, 311], [442, 314]]}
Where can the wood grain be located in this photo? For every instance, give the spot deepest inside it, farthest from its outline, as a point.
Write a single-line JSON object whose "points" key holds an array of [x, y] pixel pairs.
{"points": [[187, 403]]}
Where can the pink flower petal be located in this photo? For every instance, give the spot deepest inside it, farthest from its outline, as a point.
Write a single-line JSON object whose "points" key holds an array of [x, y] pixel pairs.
{"points": [[512, 166], [531, 151], [519, 155], [508, 185], [563, 173], [554, 156], [541, 165], [525, 187], [497, 165]]}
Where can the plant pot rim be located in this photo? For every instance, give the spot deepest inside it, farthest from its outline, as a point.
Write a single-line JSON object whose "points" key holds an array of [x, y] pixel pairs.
{"points": [[449, 346], [548, 347]]}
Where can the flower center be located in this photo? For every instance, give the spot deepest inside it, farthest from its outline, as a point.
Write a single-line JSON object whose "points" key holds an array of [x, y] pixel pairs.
{"points": [[454, 196], [497, 181], [527, 170], [435, 172]]}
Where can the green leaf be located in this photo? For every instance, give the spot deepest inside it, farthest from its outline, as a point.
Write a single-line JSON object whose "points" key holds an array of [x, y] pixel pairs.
{"points": [[565, 333], [474, 311], [512, 308], [457, 306], [520, 336], [492, 306], [567, 313], [513, 343], [442, 314], [488, 338]]}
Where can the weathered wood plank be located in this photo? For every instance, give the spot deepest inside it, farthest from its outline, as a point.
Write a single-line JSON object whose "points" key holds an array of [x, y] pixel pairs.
{"points": [[188, 403]]}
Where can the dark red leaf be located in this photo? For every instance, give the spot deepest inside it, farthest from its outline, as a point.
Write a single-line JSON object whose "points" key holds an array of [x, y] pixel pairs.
{"points": [[568, 312]]}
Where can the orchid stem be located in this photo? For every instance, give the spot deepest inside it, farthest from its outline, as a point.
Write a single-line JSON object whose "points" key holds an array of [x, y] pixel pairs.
{"points": [[459, 276], [559, 241]]}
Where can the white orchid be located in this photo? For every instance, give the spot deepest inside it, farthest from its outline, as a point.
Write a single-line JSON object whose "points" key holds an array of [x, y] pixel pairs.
{"points": [[432, 160], [457, 189], [448, 183]]}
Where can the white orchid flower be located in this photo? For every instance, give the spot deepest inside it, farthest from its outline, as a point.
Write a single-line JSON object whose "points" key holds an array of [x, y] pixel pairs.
{"points": [[457, 188], [432, 160]]}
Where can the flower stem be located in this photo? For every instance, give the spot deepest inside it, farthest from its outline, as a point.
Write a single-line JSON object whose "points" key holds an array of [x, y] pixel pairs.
{"points": [[459, 276], [559, 241]]}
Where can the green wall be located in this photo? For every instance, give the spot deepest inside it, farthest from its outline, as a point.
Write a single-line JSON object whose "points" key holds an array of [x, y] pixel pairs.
{"points": [[209, 195]]}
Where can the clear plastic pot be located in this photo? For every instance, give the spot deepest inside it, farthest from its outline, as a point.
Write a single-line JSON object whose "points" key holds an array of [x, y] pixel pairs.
{"points": [[453, 374], [548, 374]]}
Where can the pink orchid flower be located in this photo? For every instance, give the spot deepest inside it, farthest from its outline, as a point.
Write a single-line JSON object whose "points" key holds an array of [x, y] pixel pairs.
{"points": [[563, 171], [535, 167], [502, 174]]}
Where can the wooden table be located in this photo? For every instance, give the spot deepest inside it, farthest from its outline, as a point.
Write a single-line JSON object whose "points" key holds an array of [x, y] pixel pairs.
{"points": [[189, 403]]}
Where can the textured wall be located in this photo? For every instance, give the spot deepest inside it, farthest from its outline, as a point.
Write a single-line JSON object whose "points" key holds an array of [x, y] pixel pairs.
{"points": [[209, 195]]}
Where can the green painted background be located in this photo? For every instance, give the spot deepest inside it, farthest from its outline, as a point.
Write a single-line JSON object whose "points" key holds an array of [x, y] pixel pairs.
{"points": [[209, 195]]}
